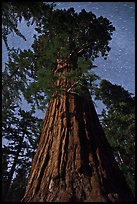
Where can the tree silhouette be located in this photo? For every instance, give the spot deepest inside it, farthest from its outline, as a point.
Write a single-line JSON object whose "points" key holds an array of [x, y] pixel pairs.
{"points": [[118, 121]]}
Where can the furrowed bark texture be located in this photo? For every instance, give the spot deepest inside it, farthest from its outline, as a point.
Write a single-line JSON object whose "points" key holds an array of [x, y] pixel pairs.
{"points": [[74, 161]]}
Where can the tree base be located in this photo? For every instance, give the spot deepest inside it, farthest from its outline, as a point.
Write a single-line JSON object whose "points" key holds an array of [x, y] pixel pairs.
{"points": [[74, 162]]}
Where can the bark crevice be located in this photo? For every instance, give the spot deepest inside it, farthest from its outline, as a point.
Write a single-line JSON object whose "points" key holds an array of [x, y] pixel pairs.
{"points": [[74, 162]]}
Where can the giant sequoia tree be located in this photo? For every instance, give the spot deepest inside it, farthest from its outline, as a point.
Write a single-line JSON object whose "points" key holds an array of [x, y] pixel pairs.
{"points": [[74, 161]]}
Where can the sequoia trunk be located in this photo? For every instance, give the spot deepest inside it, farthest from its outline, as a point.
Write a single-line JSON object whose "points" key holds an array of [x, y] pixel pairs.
{"points": [[74, 161]]}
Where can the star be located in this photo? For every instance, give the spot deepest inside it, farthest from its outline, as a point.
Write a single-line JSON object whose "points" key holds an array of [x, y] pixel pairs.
{"points": [[122, 53]]}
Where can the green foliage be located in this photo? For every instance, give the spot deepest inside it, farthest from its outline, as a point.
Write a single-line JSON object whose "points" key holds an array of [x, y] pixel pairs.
{"points": [[14, 12], [22, 133], [77, 32], [64, 35], [83, 78], [119, 124], [114, 95], [83, 63]]}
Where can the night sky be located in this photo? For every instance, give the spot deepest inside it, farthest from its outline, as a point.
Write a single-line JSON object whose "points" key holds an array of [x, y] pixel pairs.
{"points": [[119, 68]]}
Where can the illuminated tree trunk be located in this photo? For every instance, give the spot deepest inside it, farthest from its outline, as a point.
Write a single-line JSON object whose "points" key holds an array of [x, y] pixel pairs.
{"points": [[74, 161]]}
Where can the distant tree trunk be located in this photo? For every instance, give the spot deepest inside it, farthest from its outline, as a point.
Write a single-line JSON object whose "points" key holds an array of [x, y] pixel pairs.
{"points": [[12, 170], [74, 161]]}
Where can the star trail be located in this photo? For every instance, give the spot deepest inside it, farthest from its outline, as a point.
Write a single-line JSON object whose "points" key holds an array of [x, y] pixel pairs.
{"points": [[119, 68]]}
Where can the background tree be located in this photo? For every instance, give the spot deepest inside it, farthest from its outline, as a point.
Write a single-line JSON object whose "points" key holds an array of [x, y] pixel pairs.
{"points": [[18, 186], [22, 136], [13, 13], [118, 121], [19, 146]]}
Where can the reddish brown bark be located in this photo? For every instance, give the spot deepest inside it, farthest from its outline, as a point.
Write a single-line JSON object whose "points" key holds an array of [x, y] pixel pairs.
{"points": [[74, 161]]}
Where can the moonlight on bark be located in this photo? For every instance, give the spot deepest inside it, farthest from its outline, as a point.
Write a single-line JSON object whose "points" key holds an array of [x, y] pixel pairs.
{"points": [[73, 162]]}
